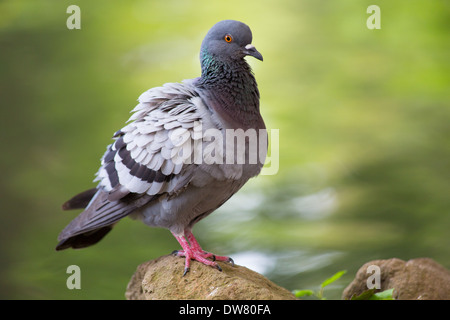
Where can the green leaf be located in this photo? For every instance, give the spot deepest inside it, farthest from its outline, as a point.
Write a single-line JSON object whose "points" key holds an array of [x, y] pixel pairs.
{"points": [[370, 295], [383, 295], [363, 296], [303, 293], [333, 278]]}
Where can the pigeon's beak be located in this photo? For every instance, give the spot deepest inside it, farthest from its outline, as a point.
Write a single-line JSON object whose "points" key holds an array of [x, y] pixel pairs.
{"points": [[250, 50]]}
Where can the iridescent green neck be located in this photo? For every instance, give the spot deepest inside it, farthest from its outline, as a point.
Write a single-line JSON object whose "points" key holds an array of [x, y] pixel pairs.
{"points": [[231, 80]]}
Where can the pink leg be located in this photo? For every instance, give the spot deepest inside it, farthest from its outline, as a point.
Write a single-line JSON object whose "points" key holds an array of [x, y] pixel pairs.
{"points": [[192, 250], [196, 246]]}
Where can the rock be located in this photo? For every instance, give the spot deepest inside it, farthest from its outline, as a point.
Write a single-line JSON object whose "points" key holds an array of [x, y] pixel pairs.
{"points": [[162, 279], [417, 279]]}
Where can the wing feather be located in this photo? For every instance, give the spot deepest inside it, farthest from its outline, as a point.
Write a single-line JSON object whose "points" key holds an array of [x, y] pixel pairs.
{"points": [[143, 162], [145, 157]]}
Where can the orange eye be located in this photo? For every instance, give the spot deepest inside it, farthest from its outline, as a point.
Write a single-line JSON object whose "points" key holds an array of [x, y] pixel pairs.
{"points": [[228, 38]]}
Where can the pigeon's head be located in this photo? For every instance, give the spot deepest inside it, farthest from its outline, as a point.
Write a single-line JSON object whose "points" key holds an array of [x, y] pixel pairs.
{"points": [[229, 40]]}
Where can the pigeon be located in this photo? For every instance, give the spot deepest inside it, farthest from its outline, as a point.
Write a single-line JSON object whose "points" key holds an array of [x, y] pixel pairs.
{"points": [[167, 166]]}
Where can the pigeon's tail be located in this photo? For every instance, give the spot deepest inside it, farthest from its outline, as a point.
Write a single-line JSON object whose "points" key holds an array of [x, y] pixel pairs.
{"points": [[91, 225], [83, 240], [80, 201]]}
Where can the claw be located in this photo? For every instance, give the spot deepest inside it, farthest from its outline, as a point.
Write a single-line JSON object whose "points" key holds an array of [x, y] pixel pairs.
{"points": [[193, 251]]}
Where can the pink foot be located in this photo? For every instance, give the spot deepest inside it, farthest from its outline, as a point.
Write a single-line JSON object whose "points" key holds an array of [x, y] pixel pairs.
{"points": [[193, 251]]}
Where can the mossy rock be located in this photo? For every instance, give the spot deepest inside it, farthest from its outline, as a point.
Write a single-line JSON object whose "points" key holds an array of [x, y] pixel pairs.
{"points": [[162, 279]]}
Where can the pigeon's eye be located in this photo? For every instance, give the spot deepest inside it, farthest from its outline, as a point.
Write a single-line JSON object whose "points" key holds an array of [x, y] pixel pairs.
{"points": [[228, 38]]}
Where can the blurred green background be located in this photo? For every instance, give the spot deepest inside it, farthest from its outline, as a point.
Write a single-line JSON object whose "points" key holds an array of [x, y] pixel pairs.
{"points": [[364, 136]]}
